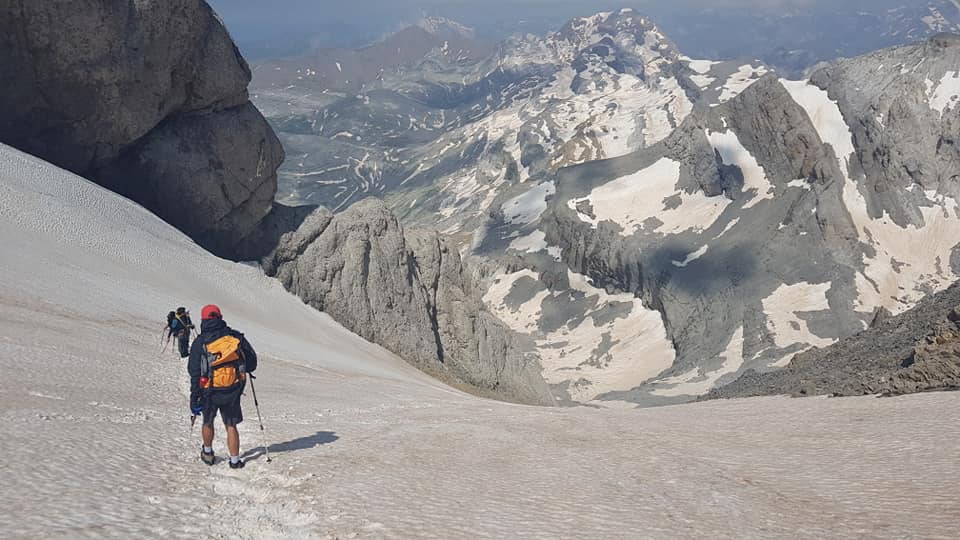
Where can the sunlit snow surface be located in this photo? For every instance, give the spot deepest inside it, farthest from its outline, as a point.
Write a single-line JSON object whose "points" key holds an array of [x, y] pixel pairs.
{"points": [[96, 442], [945, 94], [755, 182]]}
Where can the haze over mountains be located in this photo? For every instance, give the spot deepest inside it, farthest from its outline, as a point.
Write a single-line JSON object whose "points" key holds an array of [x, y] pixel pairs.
{"points": [[790, 35]]}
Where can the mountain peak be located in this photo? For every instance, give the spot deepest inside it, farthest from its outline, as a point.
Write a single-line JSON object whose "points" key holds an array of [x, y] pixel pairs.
{"points": [[608, 23], [445, 28], [618, 38]]}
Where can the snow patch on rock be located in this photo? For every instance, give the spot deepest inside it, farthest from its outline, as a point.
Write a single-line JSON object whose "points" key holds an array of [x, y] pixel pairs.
{"points": [[631, 200], [691, 257], [640, 349], [783, 307], [593, 353], [523, 318], [944, 95], [697, 381], [529, 206], [740, 80], [732, 152], [536, 242], [826, 117], [701, 66]]}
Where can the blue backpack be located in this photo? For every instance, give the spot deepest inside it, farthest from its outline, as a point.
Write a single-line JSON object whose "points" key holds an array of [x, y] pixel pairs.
{"points": [[175, 324]]}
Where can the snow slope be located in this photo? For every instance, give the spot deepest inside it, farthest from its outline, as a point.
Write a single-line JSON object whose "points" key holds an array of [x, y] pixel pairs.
{"points": [[96, 442]]}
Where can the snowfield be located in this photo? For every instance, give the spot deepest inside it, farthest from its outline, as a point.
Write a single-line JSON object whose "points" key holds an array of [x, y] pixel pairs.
{"points": [[97, 444]]}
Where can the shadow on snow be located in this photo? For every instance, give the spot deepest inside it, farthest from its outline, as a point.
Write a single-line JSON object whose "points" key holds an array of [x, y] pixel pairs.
{"points": [[302, 443]]}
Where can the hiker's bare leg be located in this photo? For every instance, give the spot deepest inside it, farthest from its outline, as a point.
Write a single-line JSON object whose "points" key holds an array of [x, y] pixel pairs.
{"points": [[208, 435], [233, 440]]}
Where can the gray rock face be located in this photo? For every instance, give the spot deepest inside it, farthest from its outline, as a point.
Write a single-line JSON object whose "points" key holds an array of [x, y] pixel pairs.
{"points": [[147, 98], [280, 221], [918, 350], [407, 291], [903, 137], [779, 132], [213, 175]]}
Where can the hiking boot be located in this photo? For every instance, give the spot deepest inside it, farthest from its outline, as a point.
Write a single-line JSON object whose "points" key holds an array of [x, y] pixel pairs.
{"points": [[209, 459], [238, 465]]}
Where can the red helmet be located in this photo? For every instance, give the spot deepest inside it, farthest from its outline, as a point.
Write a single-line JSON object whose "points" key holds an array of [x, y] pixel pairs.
{"points": [[210, 311]]}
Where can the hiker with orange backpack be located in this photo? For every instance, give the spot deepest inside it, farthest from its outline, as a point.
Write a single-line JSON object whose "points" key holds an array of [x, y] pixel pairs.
{"points": [[220, 361]]}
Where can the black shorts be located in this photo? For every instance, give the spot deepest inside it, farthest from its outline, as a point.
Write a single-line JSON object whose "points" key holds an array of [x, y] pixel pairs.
{"points": [[228, 403]]}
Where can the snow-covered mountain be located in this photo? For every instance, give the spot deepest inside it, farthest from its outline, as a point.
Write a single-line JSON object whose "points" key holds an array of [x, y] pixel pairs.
{"points": [[450, 138], [652, 225], [781, 220], [96, 440]]}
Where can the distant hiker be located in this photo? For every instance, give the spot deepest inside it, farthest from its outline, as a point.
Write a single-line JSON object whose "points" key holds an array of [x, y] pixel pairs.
{"points": [[219, 361], [179, 325]]}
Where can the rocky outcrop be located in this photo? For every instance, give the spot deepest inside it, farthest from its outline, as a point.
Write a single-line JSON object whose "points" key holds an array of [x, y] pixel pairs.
{"points": [[407, 291], [918, 350], [934, 365], [901, 108], [147, 98]]}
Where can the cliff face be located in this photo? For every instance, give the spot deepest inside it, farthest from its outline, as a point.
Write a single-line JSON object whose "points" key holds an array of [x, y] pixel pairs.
{"points": [[407, 291], [148, 99]]}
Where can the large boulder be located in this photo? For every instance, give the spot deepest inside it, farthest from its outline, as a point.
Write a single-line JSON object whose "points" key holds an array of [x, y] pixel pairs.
{"points": [[407, 291], [147, 98]]}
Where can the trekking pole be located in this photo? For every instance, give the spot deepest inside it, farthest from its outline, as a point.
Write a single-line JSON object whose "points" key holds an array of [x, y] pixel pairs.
{"points": [[256, 405], [162, 332]]}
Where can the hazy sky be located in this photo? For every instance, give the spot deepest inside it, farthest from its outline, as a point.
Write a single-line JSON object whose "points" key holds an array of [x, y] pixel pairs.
{"points": [[291, 24], [282, 27]]}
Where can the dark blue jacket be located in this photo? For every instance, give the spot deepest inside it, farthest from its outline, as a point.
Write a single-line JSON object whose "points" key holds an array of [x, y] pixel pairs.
{"points": [[210, 331], [180, 323]]}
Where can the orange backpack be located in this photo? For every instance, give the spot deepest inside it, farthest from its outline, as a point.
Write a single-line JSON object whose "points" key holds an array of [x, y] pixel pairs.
{"points": [[222, 365]]}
